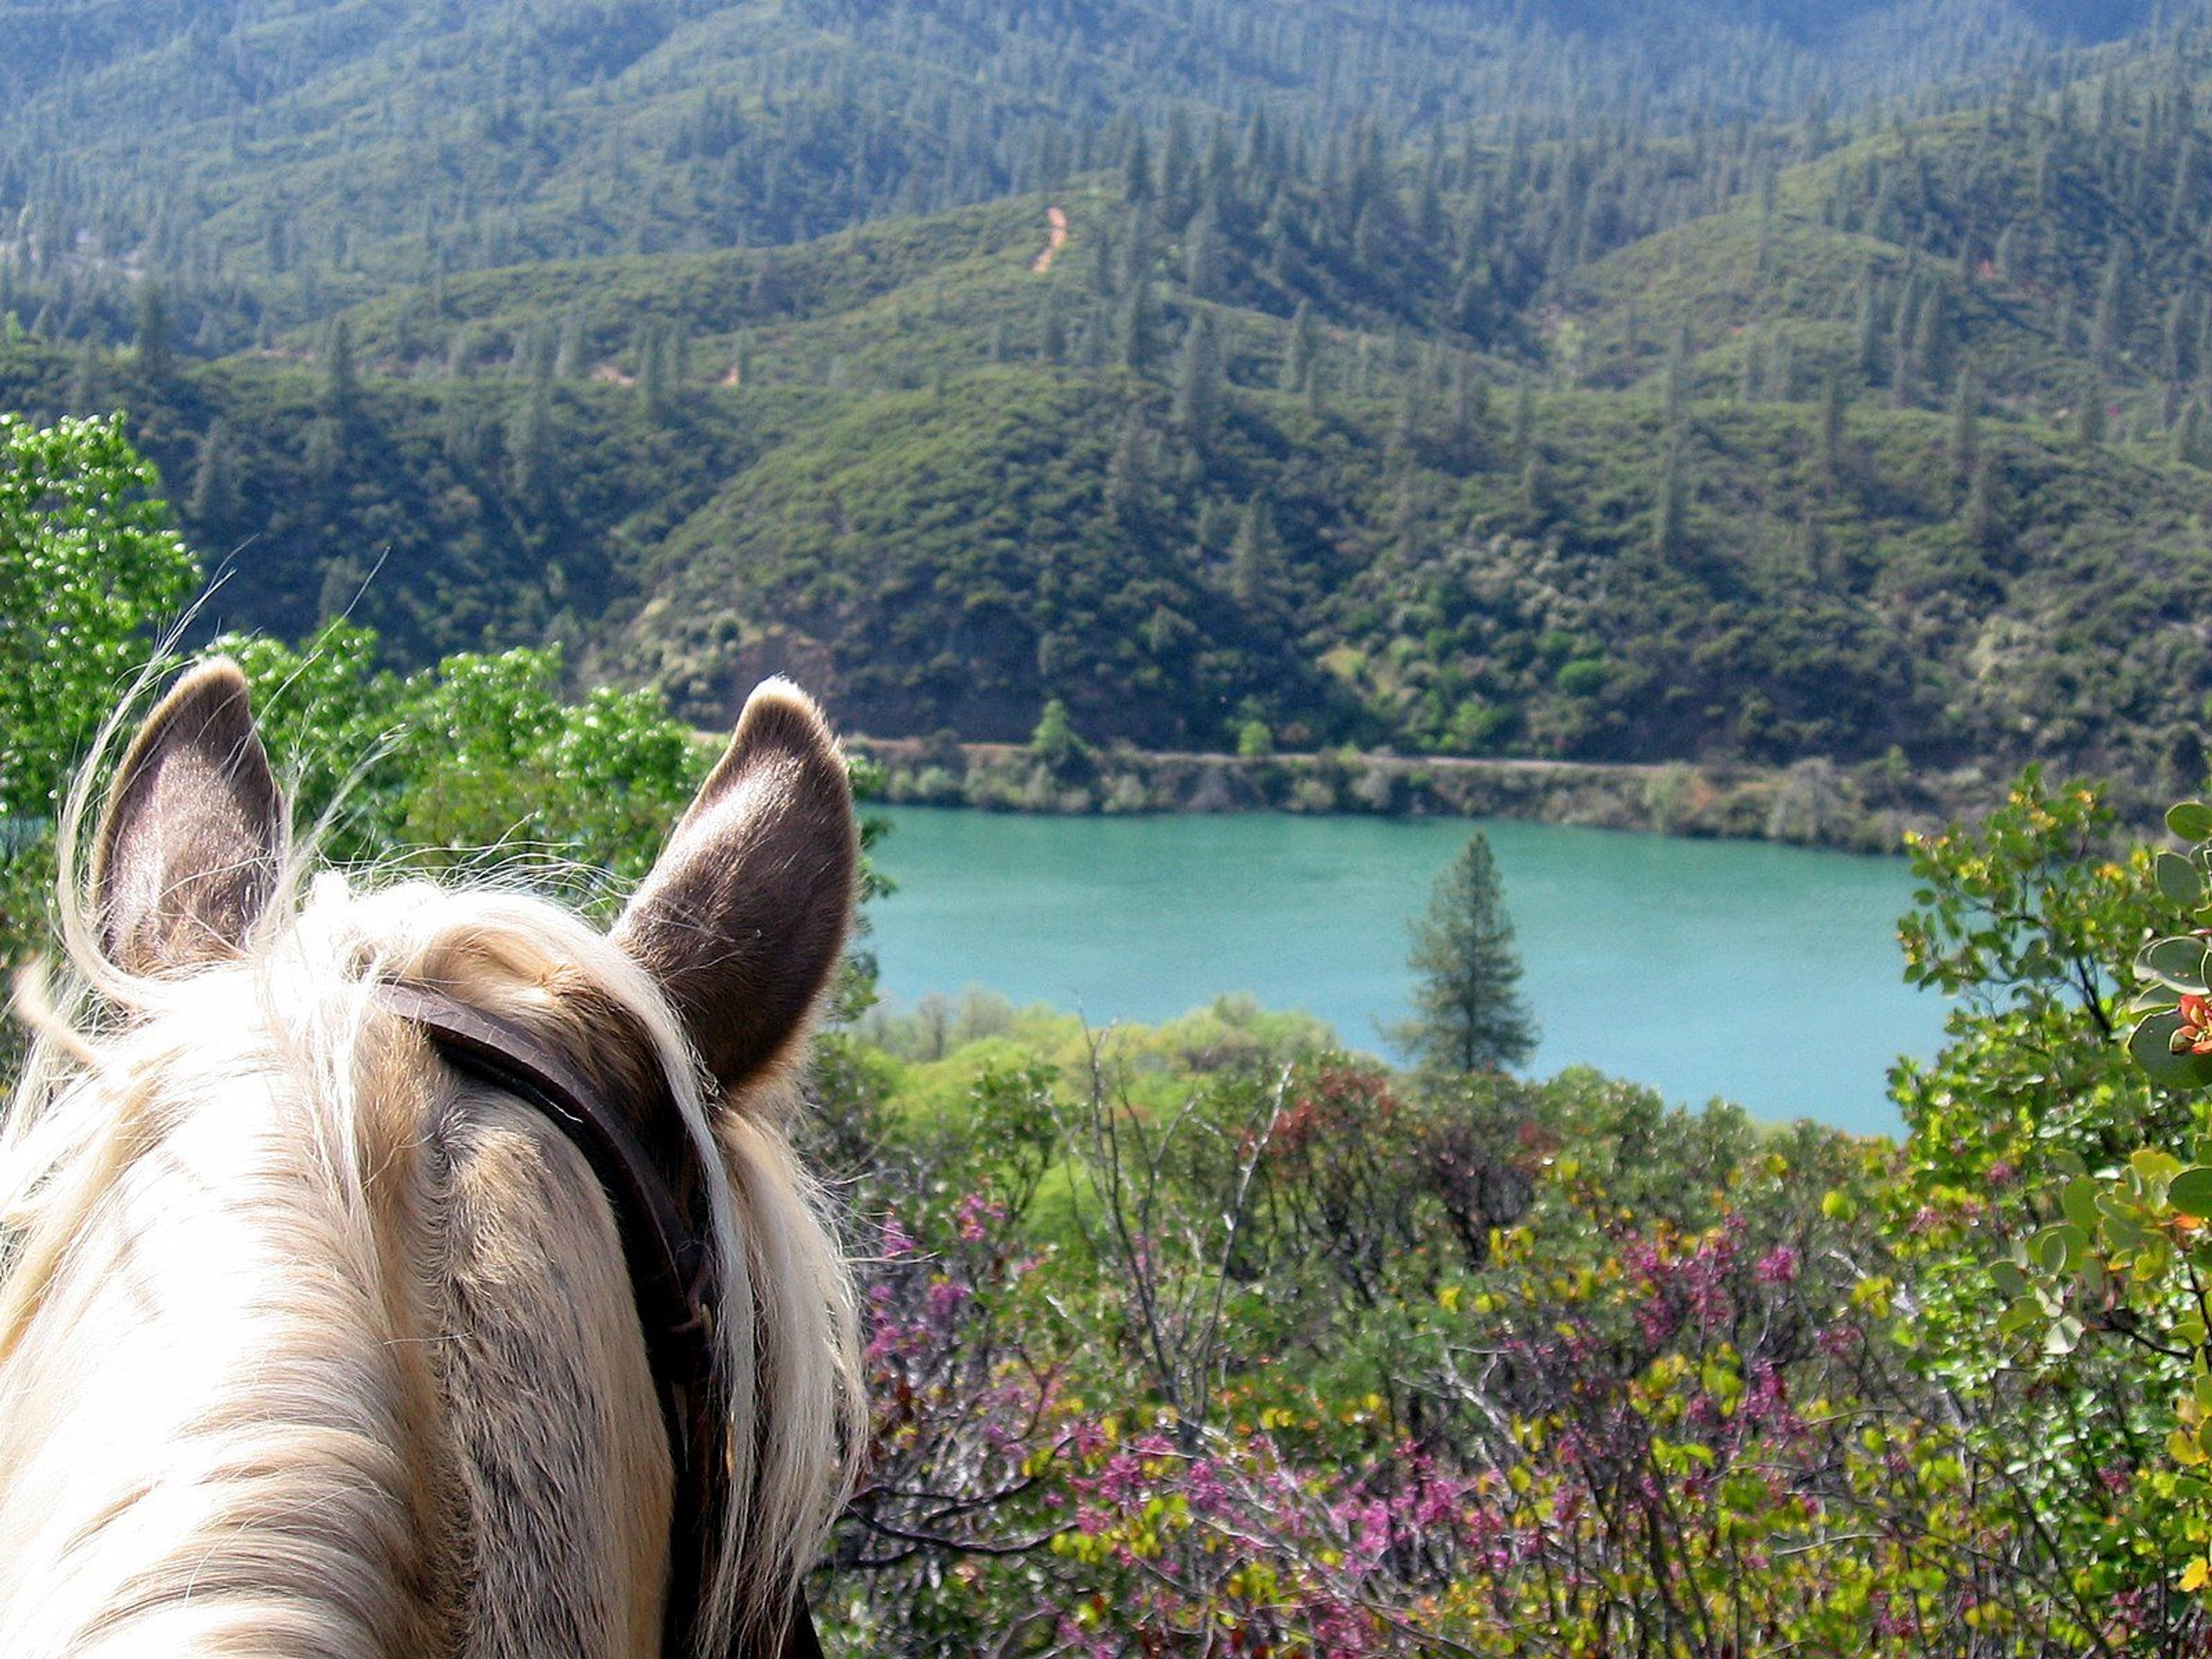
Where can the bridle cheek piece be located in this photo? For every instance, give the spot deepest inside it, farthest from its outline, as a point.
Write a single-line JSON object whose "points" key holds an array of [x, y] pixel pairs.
{"points": [[672, 1273]]}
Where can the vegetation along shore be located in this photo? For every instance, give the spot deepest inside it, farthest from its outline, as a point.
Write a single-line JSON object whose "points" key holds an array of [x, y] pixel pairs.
{"points": [[1869, 807]]}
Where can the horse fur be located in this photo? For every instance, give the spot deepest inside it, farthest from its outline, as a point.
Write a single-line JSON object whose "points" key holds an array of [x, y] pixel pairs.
{"points": [[308, 1346]]}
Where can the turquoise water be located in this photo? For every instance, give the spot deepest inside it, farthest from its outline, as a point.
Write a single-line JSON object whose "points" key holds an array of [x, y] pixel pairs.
{"points": [[1766, 974]]}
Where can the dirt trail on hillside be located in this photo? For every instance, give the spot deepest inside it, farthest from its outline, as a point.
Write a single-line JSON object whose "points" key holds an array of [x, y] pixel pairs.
{"points": [[1055, 235]]}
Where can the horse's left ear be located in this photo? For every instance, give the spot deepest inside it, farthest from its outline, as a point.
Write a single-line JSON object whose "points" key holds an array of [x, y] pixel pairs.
{"points": [[743, 919], [192, 840]]}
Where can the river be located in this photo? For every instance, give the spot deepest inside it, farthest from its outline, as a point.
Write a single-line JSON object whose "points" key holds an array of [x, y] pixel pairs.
{"points": [[1764, 974]]}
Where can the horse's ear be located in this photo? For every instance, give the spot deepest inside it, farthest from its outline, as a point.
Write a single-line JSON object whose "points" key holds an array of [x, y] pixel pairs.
{"points": [[743, 919], [192, 840]]}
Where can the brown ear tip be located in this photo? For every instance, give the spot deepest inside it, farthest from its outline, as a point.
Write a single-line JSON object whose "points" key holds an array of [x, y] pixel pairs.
{"points": [[216, 689], [778, 712]]}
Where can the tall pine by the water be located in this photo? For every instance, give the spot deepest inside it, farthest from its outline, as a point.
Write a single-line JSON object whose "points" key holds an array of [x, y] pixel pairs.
{"points": [[1469, 1015]]}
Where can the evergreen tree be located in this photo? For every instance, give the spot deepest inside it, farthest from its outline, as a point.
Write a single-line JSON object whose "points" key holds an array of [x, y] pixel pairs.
{"points": [[1981, 505], [1251, 554], [213, 497], [1056, 744], [1140, 326], [1670, 518], [1300, 359], [1966, 423], [341, 389], [2108, 333], [2089, 418], [1204, 257], [1198, 381], [1833, 404], [1052, 345], [157, 348], [530, 447], [1469, 1014], [1932, 343]]}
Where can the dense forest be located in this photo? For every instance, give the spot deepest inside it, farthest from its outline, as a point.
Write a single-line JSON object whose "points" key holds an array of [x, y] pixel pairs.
{"points": [[1751, 407]]}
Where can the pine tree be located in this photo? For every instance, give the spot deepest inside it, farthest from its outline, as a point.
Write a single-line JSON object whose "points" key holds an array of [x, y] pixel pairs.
{"points": [[1300, 359], [2190, 442], [1966, 423], [1677, 391], [1251, 554], [1833, 404], [1139, 329], [530, 447], [156, 351], [214, 498], [1198, 381], [1932, 343], [1670, 518], [1469, 1014], [1203, 258], [341, 389], [2089, 419], [1053, 346], [2108, 333]]}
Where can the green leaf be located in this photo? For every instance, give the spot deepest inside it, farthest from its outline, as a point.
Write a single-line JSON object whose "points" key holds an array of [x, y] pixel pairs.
{"points": [[2151, 1047], [2079, 1201], [2192, 820], [2179, 879], [2178, 962], [2190, 1192], [2057, 1248]]}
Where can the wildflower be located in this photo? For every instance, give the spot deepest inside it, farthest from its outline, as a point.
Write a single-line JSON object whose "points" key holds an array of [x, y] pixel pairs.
{"points": [[1778, 1266], [2195, 1036]]}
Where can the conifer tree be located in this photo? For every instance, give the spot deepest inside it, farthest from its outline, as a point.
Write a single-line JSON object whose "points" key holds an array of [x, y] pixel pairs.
{"points": [[528, 446], [1833, 404], [2190, 437], [1250, 555], [341, 389], [213, 497], [1299, 360], [1139, 329], [2108, 332], [2089, 419], [1468, 1013], [1670, 518], [157, 350], [1198, 381], [1966, 423]]}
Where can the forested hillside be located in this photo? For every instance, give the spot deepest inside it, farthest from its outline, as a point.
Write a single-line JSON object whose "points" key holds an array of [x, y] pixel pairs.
{"points": [[274, 156], [1742, 401]]}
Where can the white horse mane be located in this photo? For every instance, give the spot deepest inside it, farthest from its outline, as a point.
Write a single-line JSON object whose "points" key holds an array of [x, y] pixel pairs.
{"points": [[222, 1418]]}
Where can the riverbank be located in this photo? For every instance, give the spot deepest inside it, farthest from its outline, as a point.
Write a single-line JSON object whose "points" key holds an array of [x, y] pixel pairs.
{"points": [[1814, 803]]}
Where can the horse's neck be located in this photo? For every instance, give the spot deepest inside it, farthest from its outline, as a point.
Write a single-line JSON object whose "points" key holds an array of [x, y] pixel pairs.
{"points": [[260, 1413]]}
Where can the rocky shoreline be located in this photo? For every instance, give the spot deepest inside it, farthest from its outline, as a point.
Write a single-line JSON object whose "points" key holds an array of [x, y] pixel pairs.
{"points": [[1814, 803]]}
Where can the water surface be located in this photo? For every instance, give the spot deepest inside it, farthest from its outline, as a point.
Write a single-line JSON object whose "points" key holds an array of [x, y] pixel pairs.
{"points": [[1768, 975]]}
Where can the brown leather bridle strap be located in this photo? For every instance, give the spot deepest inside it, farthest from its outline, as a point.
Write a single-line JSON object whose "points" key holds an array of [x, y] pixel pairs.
{"points": [[670, 1265], [671, 1269]]}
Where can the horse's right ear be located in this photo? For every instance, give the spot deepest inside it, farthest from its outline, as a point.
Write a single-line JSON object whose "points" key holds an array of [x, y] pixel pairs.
{"points": [[192, 840], [743, 919]]}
